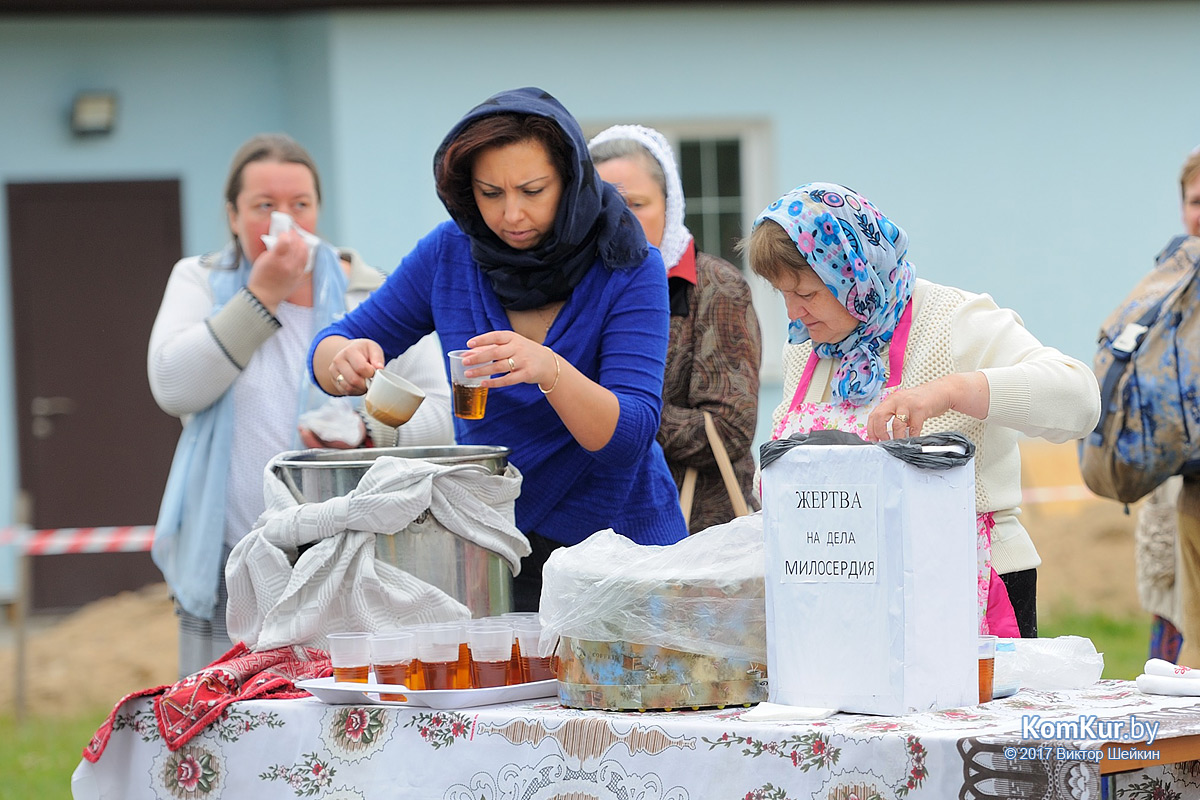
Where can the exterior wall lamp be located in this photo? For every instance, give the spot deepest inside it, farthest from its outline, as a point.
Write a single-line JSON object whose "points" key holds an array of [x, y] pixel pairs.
{"points": [[93, 113]]}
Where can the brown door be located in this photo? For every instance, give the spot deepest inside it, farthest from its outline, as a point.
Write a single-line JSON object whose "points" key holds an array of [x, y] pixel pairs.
{"points": [[89, 262]]}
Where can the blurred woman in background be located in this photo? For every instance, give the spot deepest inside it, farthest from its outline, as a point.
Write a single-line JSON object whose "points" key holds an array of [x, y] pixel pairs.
{"points": [[227, 355], [715, 346]]}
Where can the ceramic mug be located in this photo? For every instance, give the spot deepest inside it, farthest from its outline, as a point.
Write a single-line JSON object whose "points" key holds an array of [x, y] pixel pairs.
{"points": [[391, 399]]}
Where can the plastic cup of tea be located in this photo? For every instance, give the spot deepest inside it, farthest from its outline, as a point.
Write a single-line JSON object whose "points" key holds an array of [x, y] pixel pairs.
{"points": [[391, 399], [517, 618], [350, 654], [987, 667], [491, 654], [416, 672], [470, 395], [391, 659], [533, 666], [442, 649]]}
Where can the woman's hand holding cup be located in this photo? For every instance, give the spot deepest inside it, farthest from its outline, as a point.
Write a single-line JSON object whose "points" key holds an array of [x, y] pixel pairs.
{"points": [[513, 359], [353, 364]]}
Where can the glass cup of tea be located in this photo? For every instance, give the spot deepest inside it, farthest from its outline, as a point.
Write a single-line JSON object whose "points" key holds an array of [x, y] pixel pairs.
{"points": [[470, 395], [350, 654], [391, 659]]}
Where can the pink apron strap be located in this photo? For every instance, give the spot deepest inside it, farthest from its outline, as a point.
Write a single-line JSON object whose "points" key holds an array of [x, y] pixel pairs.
{"points": [[898, 346], [805, 379], [895, 359]]}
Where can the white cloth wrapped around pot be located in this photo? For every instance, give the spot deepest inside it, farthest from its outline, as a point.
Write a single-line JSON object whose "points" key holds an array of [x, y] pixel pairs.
{"points": [[338, 584]]}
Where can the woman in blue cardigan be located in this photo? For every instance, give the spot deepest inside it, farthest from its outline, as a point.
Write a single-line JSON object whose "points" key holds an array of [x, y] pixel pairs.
{"points": [[544, 271]]}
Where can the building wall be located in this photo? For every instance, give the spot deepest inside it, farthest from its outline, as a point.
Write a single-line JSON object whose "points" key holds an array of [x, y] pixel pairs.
{"points": [[1030, 150]]}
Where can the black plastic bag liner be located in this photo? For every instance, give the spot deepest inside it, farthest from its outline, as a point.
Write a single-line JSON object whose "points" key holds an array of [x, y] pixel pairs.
{"points": [[934, 451]]}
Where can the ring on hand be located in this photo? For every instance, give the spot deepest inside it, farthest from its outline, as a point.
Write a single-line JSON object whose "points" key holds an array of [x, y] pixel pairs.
{"points": [[512, 365], [340, 379], [902, 418]]}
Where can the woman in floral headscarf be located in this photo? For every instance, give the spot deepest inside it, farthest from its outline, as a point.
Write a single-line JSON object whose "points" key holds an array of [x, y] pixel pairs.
{"points": [[876, 351]]}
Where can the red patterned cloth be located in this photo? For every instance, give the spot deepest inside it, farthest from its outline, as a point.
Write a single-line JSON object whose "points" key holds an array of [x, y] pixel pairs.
{"points": [[184, 709]]}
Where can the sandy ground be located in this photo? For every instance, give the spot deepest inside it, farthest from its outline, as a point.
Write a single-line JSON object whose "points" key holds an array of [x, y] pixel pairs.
{"points": [[87, 661]]}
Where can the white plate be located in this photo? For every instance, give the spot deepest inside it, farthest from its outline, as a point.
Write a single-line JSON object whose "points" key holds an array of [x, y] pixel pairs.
{"points": [[327, 690]]}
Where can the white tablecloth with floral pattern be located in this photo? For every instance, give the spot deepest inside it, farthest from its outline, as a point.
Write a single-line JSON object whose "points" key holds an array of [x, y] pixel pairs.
{"points": [[538, 750]]}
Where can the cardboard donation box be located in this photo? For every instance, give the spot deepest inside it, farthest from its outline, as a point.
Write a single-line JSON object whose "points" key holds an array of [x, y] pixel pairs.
{"points": [[871, 572]]}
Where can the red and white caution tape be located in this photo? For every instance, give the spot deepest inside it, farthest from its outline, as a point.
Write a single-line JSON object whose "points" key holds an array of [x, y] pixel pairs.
{"points": [[56, 541]]}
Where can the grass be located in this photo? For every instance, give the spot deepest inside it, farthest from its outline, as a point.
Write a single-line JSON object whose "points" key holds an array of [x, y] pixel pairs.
{"points": [[38, 756]]}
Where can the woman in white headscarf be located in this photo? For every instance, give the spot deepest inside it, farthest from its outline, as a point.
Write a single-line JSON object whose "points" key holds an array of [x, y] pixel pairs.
{"points": [[715, 346]]}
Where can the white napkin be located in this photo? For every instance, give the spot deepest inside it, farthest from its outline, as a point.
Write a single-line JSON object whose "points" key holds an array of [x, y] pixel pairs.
{"points": [[775, 711], [1165, 669], [281, 222], [336, 421], [1163, 677], [1160, 684]]}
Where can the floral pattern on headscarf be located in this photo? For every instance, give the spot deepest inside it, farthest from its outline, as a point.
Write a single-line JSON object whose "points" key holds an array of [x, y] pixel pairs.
{"points": [[860, 256]]}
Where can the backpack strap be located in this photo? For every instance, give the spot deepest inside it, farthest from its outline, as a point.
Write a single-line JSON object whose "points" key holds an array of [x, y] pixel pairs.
{"points": [[1126, 343], [1122, 348]]}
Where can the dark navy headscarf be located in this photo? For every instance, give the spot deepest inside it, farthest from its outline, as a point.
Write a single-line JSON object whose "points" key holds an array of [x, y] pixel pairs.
{"points": [[592, 221]]}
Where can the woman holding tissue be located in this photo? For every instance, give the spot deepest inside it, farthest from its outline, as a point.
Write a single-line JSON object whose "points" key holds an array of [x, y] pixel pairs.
{"points": [[878, 352], [545, 277], [227, 355]]}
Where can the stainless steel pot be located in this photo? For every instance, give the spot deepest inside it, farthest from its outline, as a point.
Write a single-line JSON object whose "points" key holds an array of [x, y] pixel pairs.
{"points": [[475, 576]]}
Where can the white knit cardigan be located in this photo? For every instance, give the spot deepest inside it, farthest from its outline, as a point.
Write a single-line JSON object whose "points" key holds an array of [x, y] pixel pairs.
{"points": [[1034, 391]]}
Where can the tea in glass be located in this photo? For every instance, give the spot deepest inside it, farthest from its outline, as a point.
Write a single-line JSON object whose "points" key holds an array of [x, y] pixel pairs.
{"points": [[470, 402], [470, 395]]}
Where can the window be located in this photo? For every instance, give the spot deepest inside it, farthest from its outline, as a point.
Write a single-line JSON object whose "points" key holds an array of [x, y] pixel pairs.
{"points": [[726, 169], [711, 170]]}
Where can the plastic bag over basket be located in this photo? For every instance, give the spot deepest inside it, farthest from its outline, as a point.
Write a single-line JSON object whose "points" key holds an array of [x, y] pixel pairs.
{"points": [[642, 626]]}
